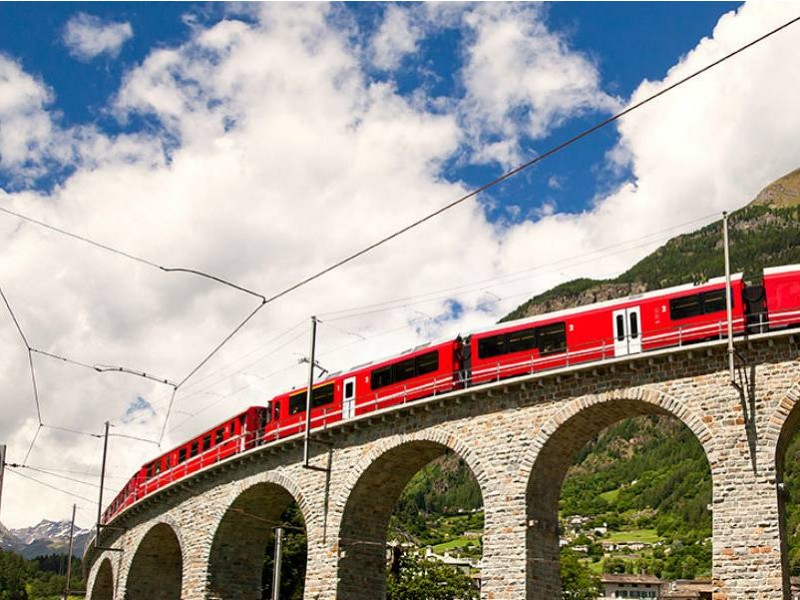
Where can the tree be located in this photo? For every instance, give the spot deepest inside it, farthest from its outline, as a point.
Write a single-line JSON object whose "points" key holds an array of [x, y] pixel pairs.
{"points": [[430, 579], [577, 581]]}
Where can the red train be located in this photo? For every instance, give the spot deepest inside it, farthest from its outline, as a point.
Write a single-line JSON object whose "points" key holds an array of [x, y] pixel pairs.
{"points": [[639, 323]]}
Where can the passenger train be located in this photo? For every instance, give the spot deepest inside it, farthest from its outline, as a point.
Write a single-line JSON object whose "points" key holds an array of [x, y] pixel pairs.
{"points": [[670, 317]]}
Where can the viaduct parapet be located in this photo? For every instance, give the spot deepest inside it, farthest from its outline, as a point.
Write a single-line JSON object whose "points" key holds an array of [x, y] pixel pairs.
{"points": [[205, 537]]}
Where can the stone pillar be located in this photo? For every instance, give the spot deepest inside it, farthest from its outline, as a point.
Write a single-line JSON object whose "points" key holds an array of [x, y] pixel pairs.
{"points": [[503, 566], [746, 508]]}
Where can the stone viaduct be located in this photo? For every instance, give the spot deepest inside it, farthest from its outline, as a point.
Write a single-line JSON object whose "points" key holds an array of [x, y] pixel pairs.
{"points": [[206, 537]]}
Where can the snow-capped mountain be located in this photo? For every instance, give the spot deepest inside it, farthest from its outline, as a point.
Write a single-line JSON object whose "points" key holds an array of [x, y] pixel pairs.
{"points": [[48, 537], [8, 541]]}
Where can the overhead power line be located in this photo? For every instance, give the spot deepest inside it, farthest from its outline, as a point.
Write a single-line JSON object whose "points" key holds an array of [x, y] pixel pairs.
{"points": [[128, 255]]}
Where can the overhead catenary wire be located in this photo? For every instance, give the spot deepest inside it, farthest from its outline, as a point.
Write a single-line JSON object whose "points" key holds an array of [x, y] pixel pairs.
{"points": [[52, 487], [346, 313], [128, 255]]}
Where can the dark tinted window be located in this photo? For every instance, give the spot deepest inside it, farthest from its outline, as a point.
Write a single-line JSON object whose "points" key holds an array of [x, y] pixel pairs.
{"points": [[522, 340], [381, 377], [403, 370], [634, 318], [276, 415], [233, 429], [206, 442], [492, 346], [683, 308], [620, 328], [181, 455], [321, 396], [349, 388], [219, 435], [552, 338], [195, 449], [427, 363], [297, 403], [713, 301]]}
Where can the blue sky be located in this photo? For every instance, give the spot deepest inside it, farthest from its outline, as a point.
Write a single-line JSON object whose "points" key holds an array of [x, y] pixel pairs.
{"points": [[612, 35], [264, 142]]}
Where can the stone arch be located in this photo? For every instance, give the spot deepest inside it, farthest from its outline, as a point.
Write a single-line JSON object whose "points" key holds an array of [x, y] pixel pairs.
{"points": [[370, 494], [103, 586], [244, 533], [552, 452], [156, 570], [781, 427]]}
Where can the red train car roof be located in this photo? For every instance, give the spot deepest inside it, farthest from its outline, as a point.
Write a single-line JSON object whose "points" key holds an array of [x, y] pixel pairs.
{"points": [[686, 287]]}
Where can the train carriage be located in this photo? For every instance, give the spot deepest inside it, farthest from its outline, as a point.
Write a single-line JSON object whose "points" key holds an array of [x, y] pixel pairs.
{"points": [[649, 321], [423, 371]]}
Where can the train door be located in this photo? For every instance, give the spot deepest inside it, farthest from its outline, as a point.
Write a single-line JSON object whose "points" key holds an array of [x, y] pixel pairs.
{"points": [[627, 331], [349, 398]]}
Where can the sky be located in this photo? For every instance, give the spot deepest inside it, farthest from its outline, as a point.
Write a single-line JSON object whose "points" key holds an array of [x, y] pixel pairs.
{"points": [[262, 143]]}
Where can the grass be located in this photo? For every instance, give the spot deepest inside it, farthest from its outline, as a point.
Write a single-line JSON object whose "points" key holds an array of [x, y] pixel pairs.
{"points": [[460, 542], [645, 536], [611, 496]]}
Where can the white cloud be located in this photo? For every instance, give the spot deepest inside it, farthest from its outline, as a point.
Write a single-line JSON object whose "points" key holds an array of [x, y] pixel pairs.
{"points": [[396, 37], [25, 125], [87, 36], [522, 79], [283, 158]]}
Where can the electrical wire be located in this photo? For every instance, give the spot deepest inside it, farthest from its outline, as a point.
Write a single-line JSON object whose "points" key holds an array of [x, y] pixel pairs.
{"points": [[481, 284], [127, 255], [53, 474], [52, 487]]}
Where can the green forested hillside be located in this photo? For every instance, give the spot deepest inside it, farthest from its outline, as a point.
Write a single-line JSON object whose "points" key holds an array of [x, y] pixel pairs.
{"points": [[644, 479]]}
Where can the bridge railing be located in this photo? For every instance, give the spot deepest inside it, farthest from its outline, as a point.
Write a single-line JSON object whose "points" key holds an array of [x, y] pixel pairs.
{"points": [[590, 352]]}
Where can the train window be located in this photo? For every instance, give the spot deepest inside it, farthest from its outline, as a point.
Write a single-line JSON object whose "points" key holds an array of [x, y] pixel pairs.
{"points": [[158, 468], [381, 377], [713, 301], [277, 414], [297, 403], [620, 328], [522, 340], [206, 442], [181, 455], [634, 325], [552, 338], [150, 470], [427, 363], [685, 307], [167, 462], [232, 431], [322, 395], [403, 370], [219, 435], [194, 449], [348, 389], [492, 346]]}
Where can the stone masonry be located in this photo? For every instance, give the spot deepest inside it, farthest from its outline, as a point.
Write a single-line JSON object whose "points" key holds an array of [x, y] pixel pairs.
{"points": [[205, 537]]}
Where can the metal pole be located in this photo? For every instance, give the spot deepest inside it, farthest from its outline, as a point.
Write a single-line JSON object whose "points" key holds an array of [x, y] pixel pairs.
{"points": [[276, 572], [2, 470], [102, 482], [69, 556], [309, 391], [728, 298]]}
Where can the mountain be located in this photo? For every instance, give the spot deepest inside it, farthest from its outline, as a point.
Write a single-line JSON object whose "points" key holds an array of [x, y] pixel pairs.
{"points": [[47, 537], [8, 541]]}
